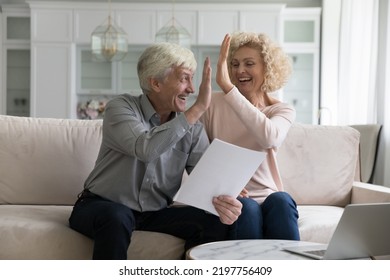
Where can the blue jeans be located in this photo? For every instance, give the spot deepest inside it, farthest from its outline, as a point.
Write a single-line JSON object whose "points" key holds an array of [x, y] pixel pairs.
{"points": [[275, 218], [111, 224]]}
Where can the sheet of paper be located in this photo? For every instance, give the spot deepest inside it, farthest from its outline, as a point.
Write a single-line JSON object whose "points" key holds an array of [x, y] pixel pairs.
{"points": [[224, 169]]}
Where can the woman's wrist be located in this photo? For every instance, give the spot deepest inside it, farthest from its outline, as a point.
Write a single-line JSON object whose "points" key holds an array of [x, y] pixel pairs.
{"points": [[228, 88]]}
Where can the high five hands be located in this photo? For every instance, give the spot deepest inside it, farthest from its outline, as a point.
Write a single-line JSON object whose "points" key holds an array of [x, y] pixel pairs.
{"points": [[222, 76]]}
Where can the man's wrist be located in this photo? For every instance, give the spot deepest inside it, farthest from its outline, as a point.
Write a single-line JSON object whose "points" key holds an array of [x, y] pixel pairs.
{"points": [[193, 114]]}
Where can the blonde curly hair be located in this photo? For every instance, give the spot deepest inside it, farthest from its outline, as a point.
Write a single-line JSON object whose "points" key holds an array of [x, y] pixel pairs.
{"points": [[277, 64]]}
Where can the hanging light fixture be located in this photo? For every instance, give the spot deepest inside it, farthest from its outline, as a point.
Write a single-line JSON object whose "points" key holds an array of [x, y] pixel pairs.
{"points": [[109, 41], [174, 32]]}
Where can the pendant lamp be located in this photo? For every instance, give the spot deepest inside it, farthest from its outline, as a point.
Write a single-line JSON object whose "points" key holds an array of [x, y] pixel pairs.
{"points": [[109, 41], [174, 32]]}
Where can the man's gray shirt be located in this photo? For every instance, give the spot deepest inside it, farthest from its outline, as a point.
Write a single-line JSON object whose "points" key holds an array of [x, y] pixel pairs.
{"points": [[141, 162]]}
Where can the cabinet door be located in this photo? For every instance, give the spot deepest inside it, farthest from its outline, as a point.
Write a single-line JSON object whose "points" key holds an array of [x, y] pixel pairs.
{"points": [[52, 25], [97, 79], [186, 19], [15, 61], [261, 22], [140, 26], [127, 72], [51, 86], [18, 82], [213, 25], [85, 22], [301, 27], [17, 29], [201, 53], [94, 78], [301, 36], [302, 89]]}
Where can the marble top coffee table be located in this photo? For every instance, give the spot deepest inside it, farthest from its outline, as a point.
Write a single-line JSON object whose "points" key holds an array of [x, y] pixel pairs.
{"points": [[255, 249]]}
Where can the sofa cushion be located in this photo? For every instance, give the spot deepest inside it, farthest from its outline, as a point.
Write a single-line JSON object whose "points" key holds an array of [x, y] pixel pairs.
{"points": [[42, 232], [318, 163], [46, 161], [317, 223]]}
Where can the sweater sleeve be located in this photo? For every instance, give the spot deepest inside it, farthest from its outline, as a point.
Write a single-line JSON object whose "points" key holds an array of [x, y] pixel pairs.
{"points": [[269, 127]]}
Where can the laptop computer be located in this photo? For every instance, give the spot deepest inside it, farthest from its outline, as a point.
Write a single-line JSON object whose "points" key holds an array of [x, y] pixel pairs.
{"points": [[362, 232]]}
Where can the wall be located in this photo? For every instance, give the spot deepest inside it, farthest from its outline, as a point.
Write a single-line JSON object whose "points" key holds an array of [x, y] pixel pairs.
{"points": [[382, 174], [329, 61]]}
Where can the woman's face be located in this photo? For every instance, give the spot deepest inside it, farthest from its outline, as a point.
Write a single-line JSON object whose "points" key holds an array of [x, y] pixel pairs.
{"points": [[247, 69]]}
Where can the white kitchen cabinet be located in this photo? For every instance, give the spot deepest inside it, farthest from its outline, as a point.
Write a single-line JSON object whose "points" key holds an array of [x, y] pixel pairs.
{"points": [[17, 81], [185, 17], [52, 25], [52, 81], [15, 61], [85, 22], [127, 72], [301, 41], [107, 78], [215, 22], [266, 21], [213, 25], [140, 25], [302, 89], [99, 81], [52, 61], [93, 76], [63, 73]]}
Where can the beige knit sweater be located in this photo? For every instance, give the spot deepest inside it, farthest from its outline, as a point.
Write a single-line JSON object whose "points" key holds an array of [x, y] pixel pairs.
{"points": [[232, 118]]}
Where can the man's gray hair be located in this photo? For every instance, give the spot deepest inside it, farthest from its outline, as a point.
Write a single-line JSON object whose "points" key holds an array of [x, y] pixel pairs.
{"points": [[158, 59]]}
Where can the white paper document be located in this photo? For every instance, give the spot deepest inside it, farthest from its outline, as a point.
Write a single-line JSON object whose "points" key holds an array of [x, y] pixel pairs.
{"points": [[224, 169]]}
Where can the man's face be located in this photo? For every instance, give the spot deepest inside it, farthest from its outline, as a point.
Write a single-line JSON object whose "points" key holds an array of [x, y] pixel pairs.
{"points": [[175, 89]]}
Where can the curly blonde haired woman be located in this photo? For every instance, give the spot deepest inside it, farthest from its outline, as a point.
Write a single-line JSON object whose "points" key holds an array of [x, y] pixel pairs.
{"points": [[250, 67]]}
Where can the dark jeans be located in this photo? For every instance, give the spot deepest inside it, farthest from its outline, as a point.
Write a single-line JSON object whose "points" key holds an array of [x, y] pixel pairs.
{"points": [[275, 218], [111, 224]]}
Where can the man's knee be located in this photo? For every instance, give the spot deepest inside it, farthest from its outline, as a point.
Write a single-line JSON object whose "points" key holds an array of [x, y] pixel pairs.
{"points": [[117, 217]]}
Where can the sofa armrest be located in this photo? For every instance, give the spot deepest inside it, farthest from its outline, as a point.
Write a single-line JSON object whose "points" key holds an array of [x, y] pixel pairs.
{"points": [[369, 193]]}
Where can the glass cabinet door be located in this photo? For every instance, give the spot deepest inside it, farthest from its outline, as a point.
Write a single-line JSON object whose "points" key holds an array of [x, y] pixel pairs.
{"points": [[299, 89], [97, 81], [16, 53], [94, 77], [128, 82], [107, 78], [18, 28], [299, 31], [18, 83], [301, 41]]}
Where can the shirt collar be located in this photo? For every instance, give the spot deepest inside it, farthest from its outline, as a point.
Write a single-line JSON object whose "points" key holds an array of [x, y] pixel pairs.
{"points": [[147, 107], [149, 111]]}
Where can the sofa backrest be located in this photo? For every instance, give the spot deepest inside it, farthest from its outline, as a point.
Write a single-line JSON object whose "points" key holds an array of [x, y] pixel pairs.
{"points": [[318, 163], [46, 161]]}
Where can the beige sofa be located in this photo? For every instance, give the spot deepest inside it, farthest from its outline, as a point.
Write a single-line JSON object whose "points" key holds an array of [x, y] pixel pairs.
{"points": [[44, 162]]}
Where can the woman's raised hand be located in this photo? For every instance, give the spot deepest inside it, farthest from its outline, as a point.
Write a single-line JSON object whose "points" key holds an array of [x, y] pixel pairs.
{"points": [[222, 76]]}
